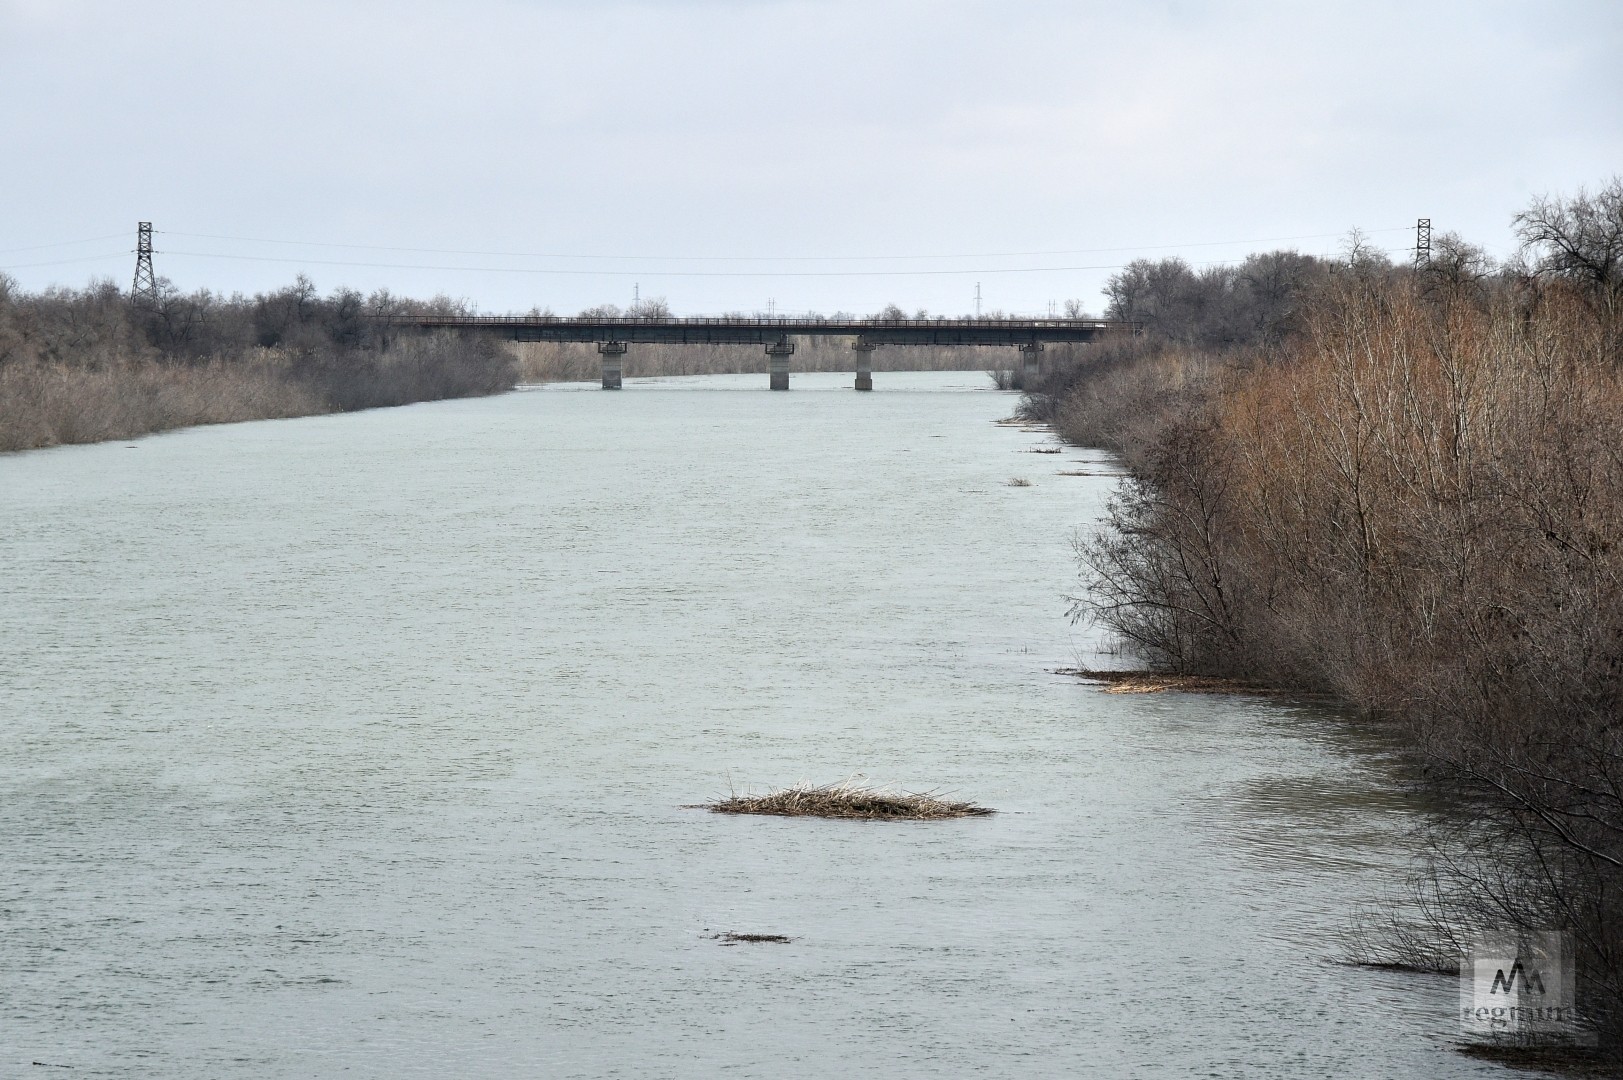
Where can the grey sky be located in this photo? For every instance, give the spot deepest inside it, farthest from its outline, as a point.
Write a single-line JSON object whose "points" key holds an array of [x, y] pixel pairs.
{"points": [[829, 132]]}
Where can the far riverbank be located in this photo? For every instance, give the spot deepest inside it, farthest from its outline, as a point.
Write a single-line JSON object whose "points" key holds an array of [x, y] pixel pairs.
{"points": [[95, 364]]}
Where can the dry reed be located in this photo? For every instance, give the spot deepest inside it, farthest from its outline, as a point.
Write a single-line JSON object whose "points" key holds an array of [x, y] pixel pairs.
{"points": [[751, 939], [48, 405], [848, 799]]}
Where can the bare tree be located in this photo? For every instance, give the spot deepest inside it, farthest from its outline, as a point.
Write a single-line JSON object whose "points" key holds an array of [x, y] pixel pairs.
{"points": [[1457, 265], [1581, 240], [652, 307]]}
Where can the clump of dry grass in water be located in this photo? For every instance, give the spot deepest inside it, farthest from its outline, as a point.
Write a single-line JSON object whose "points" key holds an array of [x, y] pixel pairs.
{"points": [[751, 939], [1018, 481], [848, 799]]}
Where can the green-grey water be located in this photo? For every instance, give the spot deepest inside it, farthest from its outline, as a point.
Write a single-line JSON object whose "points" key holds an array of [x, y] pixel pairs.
{"points": [[364, 745]]}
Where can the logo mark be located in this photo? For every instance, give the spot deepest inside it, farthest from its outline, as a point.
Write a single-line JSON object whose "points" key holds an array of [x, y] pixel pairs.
{"points": [[1520, 986], [1536, 979]]}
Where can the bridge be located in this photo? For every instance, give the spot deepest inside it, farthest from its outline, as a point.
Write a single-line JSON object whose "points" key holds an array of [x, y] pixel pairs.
{"points": [[614, 335]]}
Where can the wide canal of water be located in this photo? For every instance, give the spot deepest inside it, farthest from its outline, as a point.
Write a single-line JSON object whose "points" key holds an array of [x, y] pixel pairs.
{"points": [[363, 746]]}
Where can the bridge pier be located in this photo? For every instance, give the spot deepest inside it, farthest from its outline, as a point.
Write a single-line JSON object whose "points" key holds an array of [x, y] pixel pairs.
{"points": [[864, 351], [777, 360], [613, 353], [1032, 366]]}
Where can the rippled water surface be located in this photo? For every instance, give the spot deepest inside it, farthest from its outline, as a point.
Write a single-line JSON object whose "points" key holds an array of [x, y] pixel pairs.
{"points": [[361, 745]]}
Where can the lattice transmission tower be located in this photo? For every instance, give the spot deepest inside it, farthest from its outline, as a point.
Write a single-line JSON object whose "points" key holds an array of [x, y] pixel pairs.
{"points": [[1422, 243], [146, 282]]}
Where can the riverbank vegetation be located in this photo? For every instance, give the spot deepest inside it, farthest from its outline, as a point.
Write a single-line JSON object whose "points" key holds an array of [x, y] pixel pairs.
{"points": [[1401, 487], [84, 365]]}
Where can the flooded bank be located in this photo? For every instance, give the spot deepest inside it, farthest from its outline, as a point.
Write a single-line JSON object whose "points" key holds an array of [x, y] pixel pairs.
{"points": [[370, 742]]}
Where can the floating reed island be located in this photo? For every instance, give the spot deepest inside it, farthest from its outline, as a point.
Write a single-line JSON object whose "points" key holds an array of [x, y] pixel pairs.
{"points": [[751, 939], [847, 799]]}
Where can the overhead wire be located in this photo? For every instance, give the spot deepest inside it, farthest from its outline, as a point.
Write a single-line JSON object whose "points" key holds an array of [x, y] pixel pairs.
{"points": [[762, 258], [646, 273], [63, 262], [63, 243], [657, 273]]}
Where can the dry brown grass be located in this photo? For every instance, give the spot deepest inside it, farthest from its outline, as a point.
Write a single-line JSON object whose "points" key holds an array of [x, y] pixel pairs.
{"points": [[848, 799], [79, 366], [51, 405]]}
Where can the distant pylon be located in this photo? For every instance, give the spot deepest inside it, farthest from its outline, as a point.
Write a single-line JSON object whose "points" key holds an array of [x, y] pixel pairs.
{"points": [[1422, 243], [146, 282]]}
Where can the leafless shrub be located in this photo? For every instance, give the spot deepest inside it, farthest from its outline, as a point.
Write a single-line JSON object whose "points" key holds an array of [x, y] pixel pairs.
{"points": [[1580, 240], [1415, 504]]}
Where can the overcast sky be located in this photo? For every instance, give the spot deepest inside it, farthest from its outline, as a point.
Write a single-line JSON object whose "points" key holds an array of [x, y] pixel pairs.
{"points": [[818, 154]]}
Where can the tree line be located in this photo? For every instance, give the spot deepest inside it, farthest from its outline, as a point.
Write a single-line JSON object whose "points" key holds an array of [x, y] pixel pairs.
{"points": [[1403, 487], [83, 365]]}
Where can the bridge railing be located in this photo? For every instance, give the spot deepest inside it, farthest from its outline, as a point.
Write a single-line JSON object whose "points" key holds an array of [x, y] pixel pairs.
{"points": [[784, 322]]}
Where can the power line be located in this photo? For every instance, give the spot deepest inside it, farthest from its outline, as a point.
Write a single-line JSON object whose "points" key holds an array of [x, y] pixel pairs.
{"points": [[64, 262], [551, 271], [62, 243], [760, 258]]}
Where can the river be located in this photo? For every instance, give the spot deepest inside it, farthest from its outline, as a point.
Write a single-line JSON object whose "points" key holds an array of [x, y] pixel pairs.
{"points": [[364, 745]]}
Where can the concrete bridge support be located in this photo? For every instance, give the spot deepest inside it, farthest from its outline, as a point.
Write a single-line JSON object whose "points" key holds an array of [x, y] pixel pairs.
{"points": [[864, 351], [1032, 366], [777, 363], [613, 353]]}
